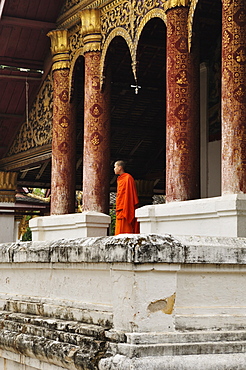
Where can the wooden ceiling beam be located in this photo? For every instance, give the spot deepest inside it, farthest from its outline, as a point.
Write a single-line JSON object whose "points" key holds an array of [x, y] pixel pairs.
{"points": [[42, 169], [18, 77], [27, 23], [10, 115], [22, 63]]}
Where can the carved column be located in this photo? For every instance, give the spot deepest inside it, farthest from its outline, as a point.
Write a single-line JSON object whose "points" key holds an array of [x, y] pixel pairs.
{"points": [[8, 185], [182, 142], [96, 158], [64, 129], [234, 97]]}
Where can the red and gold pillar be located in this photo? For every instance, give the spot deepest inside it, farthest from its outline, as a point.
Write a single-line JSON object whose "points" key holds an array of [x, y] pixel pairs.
{"points": [[96, 157], [182, 138], [233, 97], [64, 129]]}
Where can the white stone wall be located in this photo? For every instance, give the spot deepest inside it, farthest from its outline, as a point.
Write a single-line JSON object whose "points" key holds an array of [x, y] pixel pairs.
{"points": [[14, 361], [139, 301]]}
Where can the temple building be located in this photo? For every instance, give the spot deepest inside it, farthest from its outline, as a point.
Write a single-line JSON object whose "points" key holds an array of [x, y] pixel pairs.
{"points": [[87, 83], [160, 84]]}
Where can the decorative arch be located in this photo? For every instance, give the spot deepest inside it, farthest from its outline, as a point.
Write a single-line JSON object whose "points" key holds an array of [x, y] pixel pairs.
{"points": [[79, 52], [192, 9], [119, 31], [154, 13]]}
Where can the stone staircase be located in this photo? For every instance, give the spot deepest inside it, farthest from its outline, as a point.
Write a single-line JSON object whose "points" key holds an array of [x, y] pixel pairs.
{"points": [[68, 344], [201, 350]]}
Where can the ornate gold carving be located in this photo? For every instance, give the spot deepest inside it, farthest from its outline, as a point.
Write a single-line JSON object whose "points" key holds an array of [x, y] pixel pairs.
{"points": [[90, 20], [37, 130], [116, 32], [76, 50], [8, 180], [176, 3], [127, 19], [154, 13], [59, 41], [192, 9], [70, 18], [91, 29], [69, 4], [59, 49], [144, 11], [23, 226], [26, 159], [79, 197], [118, 14], [128, 14], [75, 41], [8, 183]]}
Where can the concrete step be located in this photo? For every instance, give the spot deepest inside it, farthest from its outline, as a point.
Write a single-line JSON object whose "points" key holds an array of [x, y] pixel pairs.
{"points": [[185, 337], [76, 333], [90, 314], [68, 326], [64, 355], [179, 349]]}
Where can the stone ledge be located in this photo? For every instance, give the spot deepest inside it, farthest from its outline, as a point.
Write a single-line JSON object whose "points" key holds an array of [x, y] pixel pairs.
{"points": [[88, 315], [129, 248], [74, 225], [187, 337], [179, 349], [219, 216], [68, 356], [51, 328], [202, 362]]}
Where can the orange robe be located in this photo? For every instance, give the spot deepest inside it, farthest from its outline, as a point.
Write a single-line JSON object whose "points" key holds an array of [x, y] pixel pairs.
{"points": [[126, 203]]}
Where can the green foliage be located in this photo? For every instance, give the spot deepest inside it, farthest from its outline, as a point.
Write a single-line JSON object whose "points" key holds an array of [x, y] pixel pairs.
{"points": [[27, 236], [39, 192]]}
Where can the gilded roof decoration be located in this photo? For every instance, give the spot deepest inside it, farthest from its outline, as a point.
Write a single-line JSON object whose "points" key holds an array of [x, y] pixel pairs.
{"points": [[125, 18], [37, 130], [69, 4], [127, 14]]}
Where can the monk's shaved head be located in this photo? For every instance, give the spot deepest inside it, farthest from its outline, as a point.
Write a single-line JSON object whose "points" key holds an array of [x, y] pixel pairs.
{"points": [[121, 164]]}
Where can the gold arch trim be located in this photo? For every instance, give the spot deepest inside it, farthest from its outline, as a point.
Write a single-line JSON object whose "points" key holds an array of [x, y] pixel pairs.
{"points": [[132, 45], [155, 13], [116, 32], [79, 52], [192, 9]]}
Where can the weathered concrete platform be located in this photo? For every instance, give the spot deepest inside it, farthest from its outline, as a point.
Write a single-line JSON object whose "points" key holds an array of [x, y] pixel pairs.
{"points": [[126, 302]]}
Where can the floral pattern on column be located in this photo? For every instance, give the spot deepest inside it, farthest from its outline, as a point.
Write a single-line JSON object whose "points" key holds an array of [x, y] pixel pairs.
{"points": [[63, 147], [96, 159], [234, 97], [182, 145]]}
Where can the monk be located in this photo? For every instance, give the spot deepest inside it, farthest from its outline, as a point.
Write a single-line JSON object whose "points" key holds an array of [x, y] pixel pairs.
{"points": [[126, 201]]}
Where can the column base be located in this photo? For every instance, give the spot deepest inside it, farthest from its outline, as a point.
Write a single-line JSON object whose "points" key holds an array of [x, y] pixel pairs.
{"points": [[69, 226], [7, 223], [218, 216]]}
